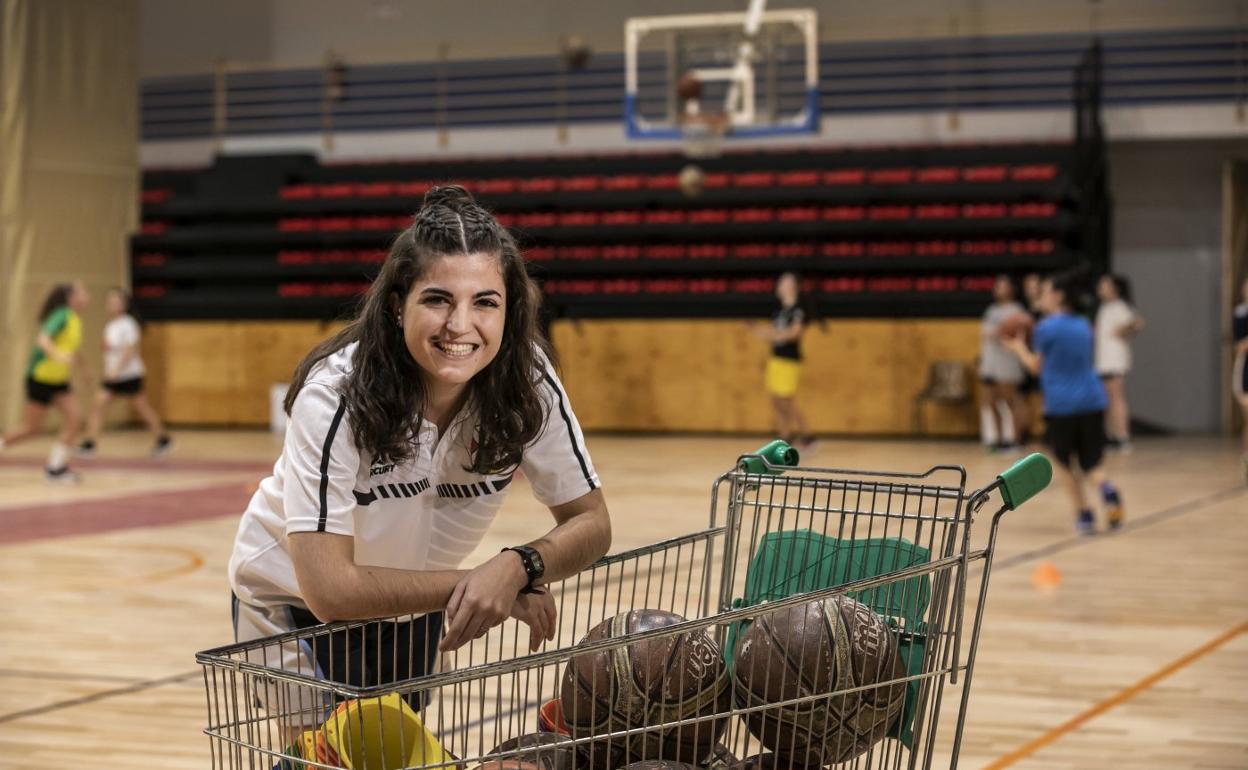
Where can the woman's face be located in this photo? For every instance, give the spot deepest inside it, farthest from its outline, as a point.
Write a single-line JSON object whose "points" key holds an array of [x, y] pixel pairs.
{"points": [[1106, 289], [1003, 290], [114, 304], [79, 298], [453, 317], [1050, 298], [1031, 287], [786, 289]]}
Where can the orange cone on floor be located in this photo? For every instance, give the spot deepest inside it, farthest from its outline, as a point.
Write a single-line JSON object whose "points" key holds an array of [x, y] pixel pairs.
{"points": [[1046, 576]]}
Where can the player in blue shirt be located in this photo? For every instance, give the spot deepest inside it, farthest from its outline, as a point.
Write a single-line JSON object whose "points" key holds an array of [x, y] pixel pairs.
{"points": [[1074, 401]]}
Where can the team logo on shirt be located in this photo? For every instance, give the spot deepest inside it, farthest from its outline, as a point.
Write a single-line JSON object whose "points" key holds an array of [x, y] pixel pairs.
{"points": [[377, 470]]}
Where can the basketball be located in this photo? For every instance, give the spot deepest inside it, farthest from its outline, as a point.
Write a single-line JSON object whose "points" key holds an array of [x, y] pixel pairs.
{"points": [[647, 683], [688, 87], [508, 764], [1016, 324], [547, 751], [692, 180], [660, 764], [816, 649]]}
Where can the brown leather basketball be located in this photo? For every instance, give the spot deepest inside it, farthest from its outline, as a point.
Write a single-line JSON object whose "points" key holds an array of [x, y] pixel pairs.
{"points": [[646, 684], [660, 764], [815, 649], [548, 751]]}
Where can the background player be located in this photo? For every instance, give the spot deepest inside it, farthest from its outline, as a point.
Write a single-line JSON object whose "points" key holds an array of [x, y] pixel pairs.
{"points": [[784, 367], [123, 375], [53, 362], [1002, 412], [1074, 402], [1116, 323], [1239, 382]]}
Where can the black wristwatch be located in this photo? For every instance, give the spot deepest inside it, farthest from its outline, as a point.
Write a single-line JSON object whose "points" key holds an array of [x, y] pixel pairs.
{"points": [[534, 567]]}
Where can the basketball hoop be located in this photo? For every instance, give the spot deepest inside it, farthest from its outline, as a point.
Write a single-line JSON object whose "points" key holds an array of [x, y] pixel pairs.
{"points": [[703, 133]]}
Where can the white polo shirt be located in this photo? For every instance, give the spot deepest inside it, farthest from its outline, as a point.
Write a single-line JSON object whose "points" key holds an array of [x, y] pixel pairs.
{"points": [[427, 513]]}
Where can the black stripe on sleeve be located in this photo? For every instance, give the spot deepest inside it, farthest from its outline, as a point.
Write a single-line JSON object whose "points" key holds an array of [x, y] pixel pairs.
{"points": [[567, 421], [364, 498], [381, 489], [329, 443], [501, 484], [394, 492]]}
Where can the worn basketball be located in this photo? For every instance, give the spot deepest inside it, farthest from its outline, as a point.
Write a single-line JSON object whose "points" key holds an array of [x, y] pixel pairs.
{"points": [[688, 87], [507, 764], [660, 764], [548, 751], [692, 180], [812, 650], [646, 684], [1016, 324]]}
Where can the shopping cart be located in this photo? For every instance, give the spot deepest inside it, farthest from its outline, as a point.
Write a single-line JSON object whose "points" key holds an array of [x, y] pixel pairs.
{"points": [[780, 536]]}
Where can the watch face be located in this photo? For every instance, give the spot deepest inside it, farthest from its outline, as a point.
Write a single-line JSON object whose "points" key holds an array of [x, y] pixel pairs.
{"points": [[539, 566]]}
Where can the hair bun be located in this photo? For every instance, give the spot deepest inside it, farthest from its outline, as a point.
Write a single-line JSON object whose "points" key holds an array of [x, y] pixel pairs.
{"points": [[452, 196]]}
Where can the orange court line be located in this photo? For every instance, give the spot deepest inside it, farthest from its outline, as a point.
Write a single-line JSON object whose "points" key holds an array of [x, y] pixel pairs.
{"points": [[1077, 721]]}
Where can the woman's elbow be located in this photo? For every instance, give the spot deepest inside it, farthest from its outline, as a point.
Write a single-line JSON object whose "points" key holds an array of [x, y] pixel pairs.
{"points": [[603, 541]]}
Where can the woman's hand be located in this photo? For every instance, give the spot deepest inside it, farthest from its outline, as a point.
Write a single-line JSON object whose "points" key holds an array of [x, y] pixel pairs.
{"points": [[483, 599], [537, 611], [1017, 343]]}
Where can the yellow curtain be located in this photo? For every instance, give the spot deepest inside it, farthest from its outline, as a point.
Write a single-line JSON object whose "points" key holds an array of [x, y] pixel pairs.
{"points": [[69, 173]]}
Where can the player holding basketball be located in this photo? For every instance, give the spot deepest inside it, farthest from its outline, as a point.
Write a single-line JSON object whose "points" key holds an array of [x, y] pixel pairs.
{"points": [[1074, 401], [405, 431], [123, 375], [53, 361], [1000, 373], [784, 367]]}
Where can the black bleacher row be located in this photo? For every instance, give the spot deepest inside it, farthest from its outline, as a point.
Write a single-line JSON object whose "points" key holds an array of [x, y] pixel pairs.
{"points": [[284, 236]]}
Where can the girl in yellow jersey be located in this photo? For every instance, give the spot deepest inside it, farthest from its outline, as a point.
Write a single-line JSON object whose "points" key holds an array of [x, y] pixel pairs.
{"points": [[52, 362]]}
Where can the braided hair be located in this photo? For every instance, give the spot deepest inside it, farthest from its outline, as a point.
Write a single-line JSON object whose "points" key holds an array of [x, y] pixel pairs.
{"points": [[385, 393]]}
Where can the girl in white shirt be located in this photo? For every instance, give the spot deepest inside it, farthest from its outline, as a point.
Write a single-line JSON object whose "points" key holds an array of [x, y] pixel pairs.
{"points": [[405, 432], [123, 375], [1116, 323]]}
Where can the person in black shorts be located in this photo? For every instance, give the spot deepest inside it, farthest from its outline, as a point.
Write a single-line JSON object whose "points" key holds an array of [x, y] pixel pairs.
{"points": [[1074, 402], [123, 375]]}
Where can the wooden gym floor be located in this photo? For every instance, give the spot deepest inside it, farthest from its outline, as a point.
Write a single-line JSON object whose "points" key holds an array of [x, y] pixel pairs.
{"points": [[1127, 650]]}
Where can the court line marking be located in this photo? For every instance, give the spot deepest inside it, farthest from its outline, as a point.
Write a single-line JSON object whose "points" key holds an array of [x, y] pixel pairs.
{"points": [[1131, 525], [1171, 512], [65, 676], [145, 684], [1117, 699]]}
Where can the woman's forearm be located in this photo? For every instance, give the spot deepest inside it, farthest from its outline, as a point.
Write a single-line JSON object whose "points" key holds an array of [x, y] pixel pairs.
{"points": [[578, 541], [336, 588]]}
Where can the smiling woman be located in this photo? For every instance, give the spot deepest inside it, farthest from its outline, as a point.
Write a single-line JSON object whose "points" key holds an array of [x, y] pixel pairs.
{"points": [[405, 431]]}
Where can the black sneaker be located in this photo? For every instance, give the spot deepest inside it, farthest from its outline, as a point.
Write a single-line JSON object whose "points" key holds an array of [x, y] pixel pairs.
{"points": [[62, 475], [86, 448], [1085, 523], [162, 447]]}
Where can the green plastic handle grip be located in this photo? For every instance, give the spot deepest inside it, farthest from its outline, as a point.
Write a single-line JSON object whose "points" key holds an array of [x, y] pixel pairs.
{"points": [[778, 453], [1025, 479]]}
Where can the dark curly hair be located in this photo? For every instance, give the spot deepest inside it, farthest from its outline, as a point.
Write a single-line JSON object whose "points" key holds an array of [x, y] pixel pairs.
{"points": [[385, 392]]}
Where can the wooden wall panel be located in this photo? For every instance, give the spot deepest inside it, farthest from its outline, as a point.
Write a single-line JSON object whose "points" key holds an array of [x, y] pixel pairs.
{"points": [[649, 375], [861, 376], [219, 373]]}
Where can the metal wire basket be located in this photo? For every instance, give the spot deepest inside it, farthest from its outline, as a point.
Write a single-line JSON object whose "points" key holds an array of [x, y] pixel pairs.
{"points": [[867, 560]]}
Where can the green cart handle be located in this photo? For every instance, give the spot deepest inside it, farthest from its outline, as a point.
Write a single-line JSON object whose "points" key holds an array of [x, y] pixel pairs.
{"points": [[778, 456], [1025, 479]]}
